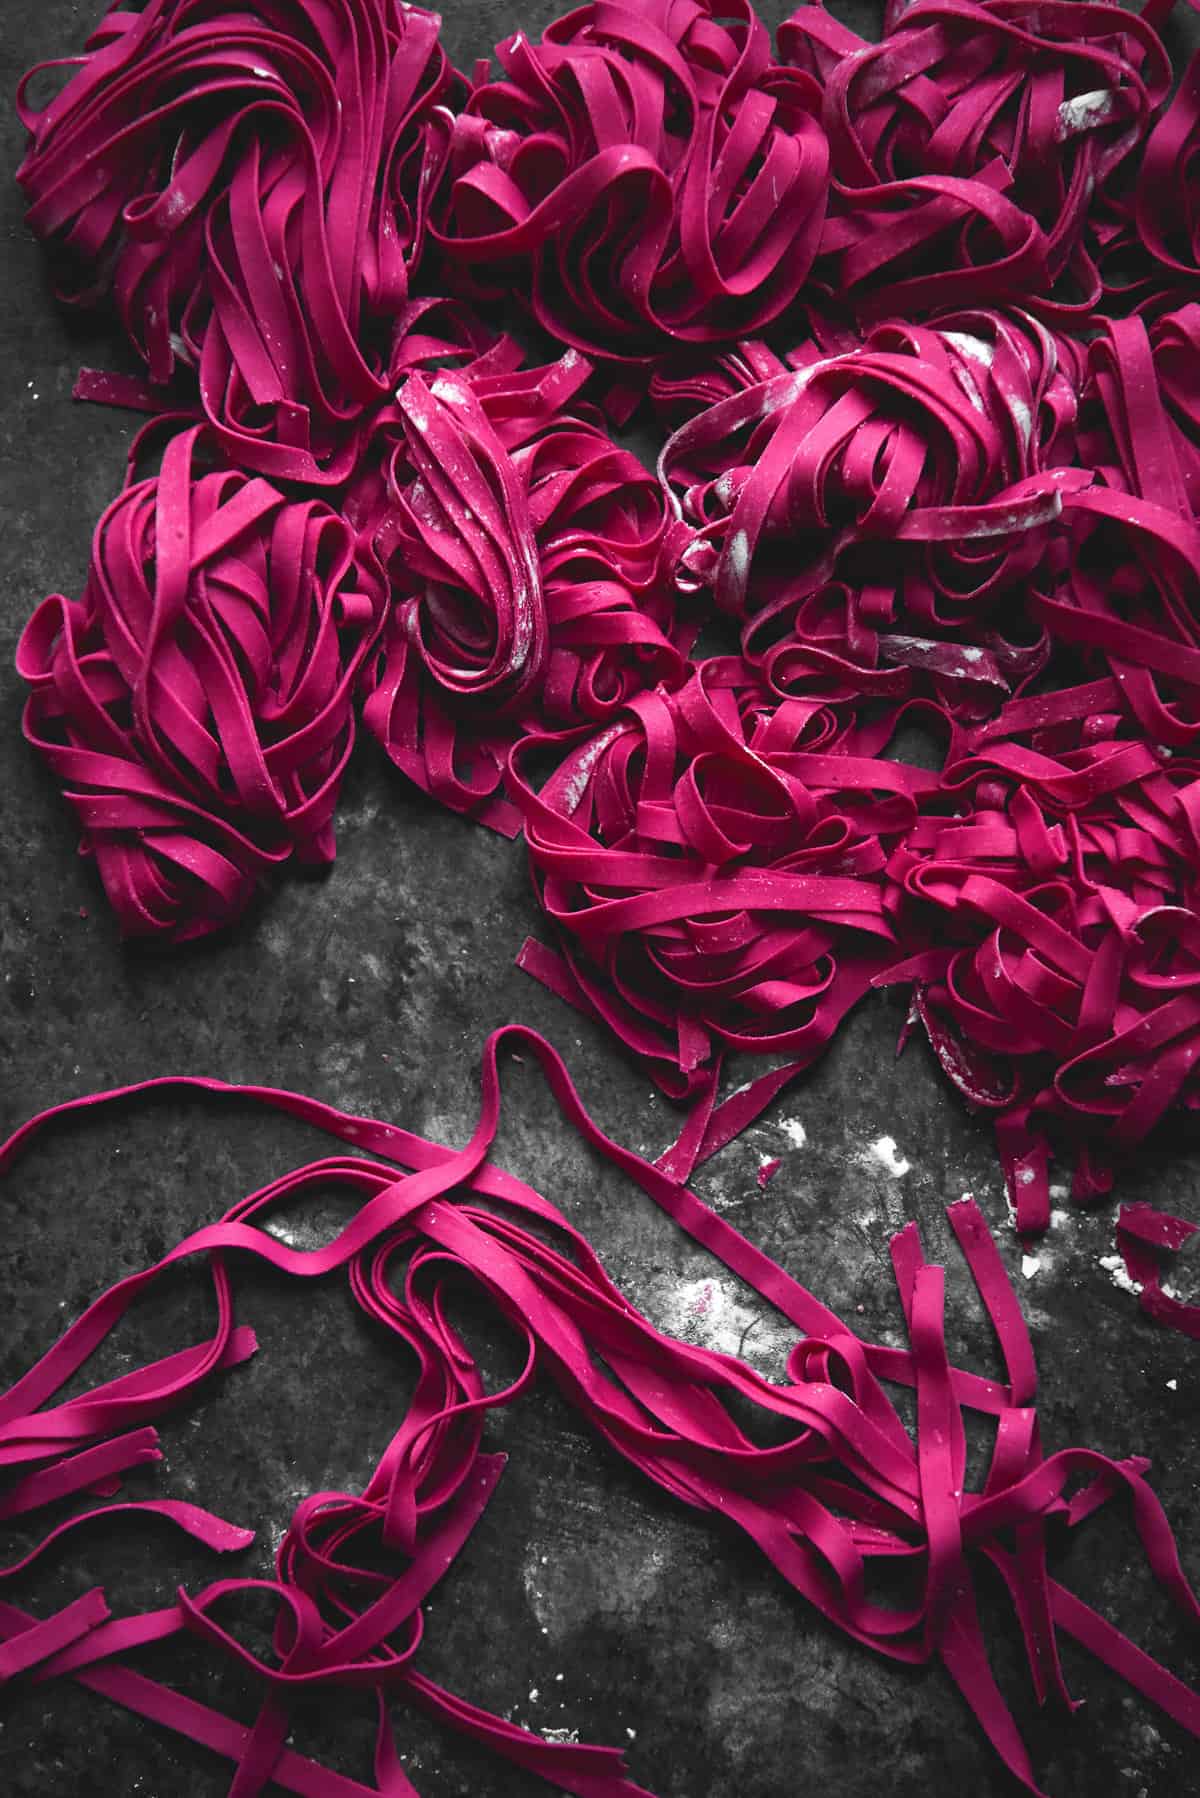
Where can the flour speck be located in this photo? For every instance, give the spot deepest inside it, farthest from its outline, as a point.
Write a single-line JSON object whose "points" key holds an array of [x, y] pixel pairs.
{"points": [[884, 1151], [1114, 1267]]}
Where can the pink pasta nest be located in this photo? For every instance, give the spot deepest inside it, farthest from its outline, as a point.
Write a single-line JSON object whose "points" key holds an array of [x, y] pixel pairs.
{"points": [[886, 673], [197, 701], [842, 1495], [953, 493]]}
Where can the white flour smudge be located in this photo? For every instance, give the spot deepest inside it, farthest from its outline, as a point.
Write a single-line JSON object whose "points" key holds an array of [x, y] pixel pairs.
{"points": [[884, 1151], [713, 1315], [967, 383], [1023, 417], [1085, 112], [564, 1592], [574, 783], [1117, 1272], [795, 1132], [967, 344], [300, 1233], [739, 556], [1002, 523]]}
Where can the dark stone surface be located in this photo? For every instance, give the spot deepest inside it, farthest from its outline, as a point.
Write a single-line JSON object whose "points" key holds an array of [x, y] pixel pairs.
{"points": [[585, 1600]]}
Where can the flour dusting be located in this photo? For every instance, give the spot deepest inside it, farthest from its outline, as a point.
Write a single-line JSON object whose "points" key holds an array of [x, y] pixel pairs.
{"points": [[967, 344], [712, 1315], [566, 1589], [1117, 1272], [739, 556], [299, 1233], [1023, 417], [574, 782], [1085, 111], [884, 1151]]}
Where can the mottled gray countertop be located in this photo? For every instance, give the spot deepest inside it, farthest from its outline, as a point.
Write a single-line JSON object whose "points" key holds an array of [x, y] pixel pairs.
{"points": [[585, 1600]]}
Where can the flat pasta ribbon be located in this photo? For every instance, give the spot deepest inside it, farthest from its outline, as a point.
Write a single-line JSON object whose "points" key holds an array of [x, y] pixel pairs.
{"points": [[656, 173], [842, 1486], [250, 185], [196, 702]]}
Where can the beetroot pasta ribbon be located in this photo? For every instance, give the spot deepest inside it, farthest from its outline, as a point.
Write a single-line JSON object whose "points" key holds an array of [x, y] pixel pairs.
{"points": [[843, 1484], [888, 673], [974, 136], [919, 439], [196, 702], [522, 551], [658, 175], [715, 881], [1144, 1236], [250, 184]]}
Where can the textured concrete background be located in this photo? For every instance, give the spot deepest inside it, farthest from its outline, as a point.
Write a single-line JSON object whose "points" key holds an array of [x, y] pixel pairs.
{"points": [[585, 1600]]}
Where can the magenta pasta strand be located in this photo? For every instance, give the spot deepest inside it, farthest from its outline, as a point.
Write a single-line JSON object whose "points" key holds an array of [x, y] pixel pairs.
{"points": [[196, 702], [920, 322], [653, 171], [251, 188], [846, 1486]]}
